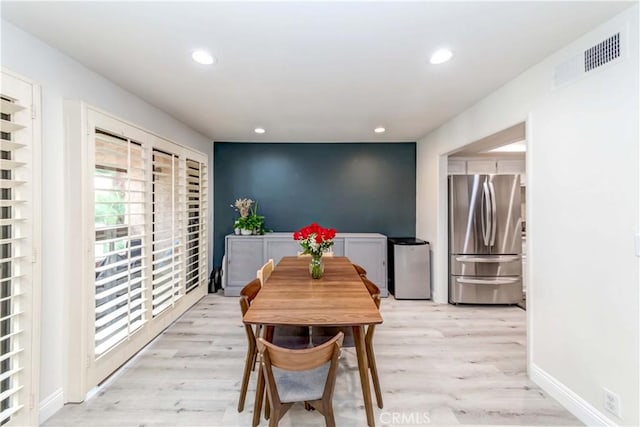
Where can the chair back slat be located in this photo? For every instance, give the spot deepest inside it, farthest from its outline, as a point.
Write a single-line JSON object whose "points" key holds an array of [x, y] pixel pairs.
{"points": [[250, 290], [376, 300], [265, 271], [361, 271], [300, 360], [247, 295], [371, 287]]}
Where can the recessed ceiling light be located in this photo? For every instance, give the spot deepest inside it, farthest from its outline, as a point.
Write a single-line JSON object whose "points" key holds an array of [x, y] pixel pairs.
{"points": [[379, 129], [259, 130], [203, 57], [440, 56]]}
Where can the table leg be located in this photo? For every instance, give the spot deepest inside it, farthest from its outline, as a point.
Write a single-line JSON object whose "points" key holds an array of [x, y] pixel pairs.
{"points": [[363, 368]]}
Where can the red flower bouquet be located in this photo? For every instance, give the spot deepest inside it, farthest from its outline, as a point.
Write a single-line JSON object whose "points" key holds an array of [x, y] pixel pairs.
{"points": [[314, 239]]}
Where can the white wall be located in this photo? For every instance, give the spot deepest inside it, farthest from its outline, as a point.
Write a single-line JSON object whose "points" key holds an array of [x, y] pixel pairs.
{"points": [[63, 78], [583, 211]]}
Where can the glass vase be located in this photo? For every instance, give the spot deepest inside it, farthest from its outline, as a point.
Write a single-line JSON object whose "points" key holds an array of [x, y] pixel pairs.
{"points": [[316, 267]]}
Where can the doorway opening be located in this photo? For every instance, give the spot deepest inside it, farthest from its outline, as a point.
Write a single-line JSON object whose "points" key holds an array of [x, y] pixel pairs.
{"points": [[486, 229]]}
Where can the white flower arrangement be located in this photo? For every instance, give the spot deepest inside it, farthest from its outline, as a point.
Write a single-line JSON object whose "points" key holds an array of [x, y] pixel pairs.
{"points": [[243, 206]]}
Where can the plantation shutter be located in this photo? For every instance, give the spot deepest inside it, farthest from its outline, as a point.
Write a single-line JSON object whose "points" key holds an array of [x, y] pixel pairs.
{"points": [[132, 240], [168, 230], [17, 240], [195, 224], [202, 217], [120, 260]]}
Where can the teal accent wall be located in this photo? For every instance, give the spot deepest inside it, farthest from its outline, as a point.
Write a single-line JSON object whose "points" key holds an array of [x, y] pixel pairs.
{"points": [[352, 187]]}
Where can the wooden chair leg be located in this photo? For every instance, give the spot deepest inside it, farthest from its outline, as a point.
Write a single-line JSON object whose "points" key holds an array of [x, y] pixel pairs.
{"points": [[255, 356], [371, 359], [251, 352], [273, 421], [278, 412], [267, 409], [257, 405], [327, 411], [254, 360]]}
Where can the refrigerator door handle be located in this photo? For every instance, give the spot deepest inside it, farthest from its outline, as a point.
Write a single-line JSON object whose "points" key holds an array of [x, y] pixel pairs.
{"points": [[497, 281], [484, 213], [494, 226], [485, 259]]}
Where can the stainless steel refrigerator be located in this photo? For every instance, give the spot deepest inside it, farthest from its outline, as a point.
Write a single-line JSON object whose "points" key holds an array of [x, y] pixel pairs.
{"points": [[485, 240]]}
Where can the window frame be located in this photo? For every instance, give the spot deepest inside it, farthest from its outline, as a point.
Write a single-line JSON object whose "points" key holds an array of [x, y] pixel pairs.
{"points": [[85, 370], [32, 292]]}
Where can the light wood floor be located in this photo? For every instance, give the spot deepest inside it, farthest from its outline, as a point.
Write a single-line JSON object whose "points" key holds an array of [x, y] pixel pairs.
{"points": [[438, 365]]}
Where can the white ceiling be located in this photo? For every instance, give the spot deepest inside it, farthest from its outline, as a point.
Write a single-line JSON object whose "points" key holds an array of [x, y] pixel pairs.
{"points": [[309, 71]]}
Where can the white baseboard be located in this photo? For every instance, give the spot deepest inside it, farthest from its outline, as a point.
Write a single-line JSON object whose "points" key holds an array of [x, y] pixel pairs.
{"points": [[50, 405], [575, 404]]}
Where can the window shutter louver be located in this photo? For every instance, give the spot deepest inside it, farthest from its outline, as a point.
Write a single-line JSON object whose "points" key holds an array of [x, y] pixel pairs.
{"points": [[120, 208], [167, 230], [17, 243], [204, 212], [138, 187], [194, 223], [133, 242]]}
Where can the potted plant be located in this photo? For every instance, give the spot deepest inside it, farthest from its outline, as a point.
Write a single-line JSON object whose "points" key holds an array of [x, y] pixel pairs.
{"points": [[249, 221], [242, 206], [255, 222], [241, 226]]}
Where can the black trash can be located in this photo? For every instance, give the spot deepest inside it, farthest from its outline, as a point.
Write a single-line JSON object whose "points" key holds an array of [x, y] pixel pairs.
{"points": [[215, 280]]}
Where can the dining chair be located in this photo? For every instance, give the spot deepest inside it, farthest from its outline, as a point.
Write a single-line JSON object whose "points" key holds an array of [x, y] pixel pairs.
{"points": [[306, 375], [265, 271], [322, 334], [285, 336], [263, 275], [361, 271], [247, 294]]}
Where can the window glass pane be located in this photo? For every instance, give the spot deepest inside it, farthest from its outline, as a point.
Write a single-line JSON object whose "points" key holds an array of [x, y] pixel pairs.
{"points": [[120, 207], [167, 231]]}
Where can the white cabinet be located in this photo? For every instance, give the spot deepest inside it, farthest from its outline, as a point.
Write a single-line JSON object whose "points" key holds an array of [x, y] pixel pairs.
{"points": [[457, 167], [245, 254], [481, 167], [277, 247], [371, 254], [338, 247], [488, 166], [508, 167], [519, 167]]}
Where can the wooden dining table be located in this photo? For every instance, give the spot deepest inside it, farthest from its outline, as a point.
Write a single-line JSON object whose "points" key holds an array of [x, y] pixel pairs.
{"points": [[291, 297]]}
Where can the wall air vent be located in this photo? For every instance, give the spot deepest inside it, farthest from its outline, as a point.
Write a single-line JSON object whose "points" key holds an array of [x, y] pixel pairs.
{"points": [[602, 53], [582, 63]]}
